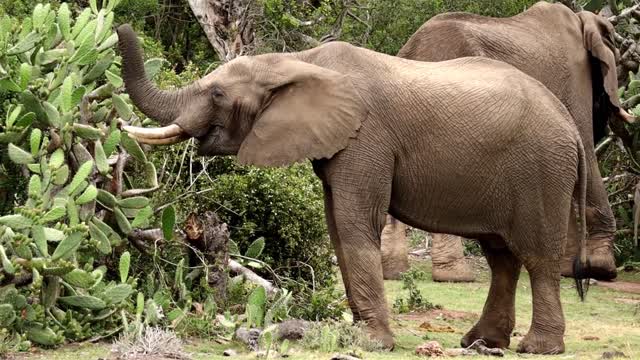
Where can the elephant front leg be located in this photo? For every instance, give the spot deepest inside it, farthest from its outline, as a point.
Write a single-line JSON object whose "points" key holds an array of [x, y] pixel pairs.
{"points": [[447, 258], [499, 314], [358, 251], [546, 333], [395, 251]]}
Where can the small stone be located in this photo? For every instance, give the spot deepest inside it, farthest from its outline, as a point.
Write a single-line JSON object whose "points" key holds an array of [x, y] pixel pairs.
{"points": [[229, 352], [430, 348]]}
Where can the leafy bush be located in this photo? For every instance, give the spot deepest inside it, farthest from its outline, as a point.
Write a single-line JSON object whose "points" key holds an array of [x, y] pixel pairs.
{"points": [[59, 78], [283, 206]]}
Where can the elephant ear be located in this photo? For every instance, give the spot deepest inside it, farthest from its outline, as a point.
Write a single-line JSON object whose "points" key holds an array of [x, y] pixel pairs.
{"points": [[597, 35], [310, 113]]}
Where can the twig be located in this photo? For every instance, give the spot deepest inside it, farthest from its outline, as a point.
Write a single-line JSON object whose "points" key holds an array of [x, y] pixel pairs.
{"points": [[481, 347], [184, 155], [313, 275], [181, 197]]}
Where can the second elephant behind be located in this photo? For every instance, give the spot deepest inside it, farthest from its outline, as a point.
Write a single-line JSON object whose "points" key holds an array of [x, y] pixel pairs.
{"points": [[574, 57]]}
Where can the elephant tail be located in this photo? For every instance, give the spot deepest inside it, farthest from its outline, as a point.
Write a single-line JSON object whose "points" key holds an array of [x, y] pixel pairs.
{"points": [[581, 264]]}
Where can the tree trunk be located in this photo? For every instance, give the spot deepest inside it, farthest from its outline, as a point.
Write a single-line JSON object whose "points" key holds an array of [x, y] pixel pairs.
{"points": [[207, 234], [227, 24]]}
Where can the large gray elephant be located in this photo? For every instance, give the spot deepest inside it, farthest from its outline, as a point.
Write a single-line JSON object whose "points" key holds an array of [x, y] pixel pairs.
{"points": [[573, 56], [472, 147]]}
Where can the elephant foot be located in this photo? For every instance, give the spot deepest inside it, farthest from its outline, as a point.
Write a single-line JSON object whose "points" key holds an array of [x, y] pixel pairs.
{"points": [[543, 345], [457, 271], [601, 259], [492, 337], [385, 338]]}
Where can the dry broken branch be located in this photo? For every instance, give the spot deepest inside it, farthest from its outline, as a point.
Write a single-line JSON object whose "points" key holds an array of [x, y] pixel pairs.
{"points": [[252, 276]]}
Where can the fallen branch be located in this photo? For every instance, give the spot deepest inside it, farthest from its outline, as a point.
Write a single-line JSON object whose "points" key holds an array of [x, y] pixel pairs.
{"points": [[615, 177], [603, 145], [624, 14], [253, 277]]}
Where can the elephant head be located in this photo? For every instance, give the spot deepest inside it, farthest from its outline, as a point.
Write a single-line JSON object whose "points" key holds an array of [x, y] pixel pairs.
{"points": [[597, 36], [270, 110]]}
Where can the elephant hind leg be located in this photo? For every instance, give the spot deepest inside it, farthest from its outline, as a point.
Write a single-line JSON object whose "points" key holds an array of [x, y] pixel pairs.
{"points": [[546, 333], [499, 314]]}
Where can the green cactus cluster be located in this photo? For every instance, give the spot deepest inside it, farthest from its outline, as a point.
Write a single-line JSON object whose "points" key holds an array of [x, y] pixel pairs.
{"points": [[59, 80]]}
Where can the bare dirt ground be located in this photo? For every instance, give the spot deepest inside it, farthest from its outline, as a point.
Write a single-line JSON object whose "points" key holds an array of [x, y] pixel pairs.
{"points": [[623, 286]]}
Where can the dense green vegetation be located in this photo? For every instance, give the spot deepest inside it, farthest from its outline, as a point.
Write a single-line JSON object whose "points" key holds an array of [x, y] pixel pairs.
{"points": [[74, 190]]}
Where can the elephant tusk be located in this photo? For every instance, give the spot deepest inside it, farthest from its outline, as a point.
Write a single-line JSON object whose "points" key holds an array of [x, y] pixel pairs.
{"points": [[161, 141], [164, 132], [626, 116]]}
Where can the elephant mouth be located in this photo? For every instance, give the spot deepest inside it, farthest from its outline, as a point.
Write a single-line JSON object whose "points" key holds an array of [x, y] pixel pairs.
{"points": [[166, 135]]}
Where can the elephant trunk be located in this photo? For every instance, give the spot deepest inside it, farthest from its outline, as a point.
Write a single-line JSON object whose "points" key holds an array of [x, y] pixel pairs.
{"points": [[160, 105]]}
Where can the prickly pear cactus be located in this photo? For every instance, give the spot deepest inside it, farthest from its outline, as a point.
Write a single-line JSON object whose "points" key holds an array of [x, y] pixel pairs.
{"points": [[59, 76]]}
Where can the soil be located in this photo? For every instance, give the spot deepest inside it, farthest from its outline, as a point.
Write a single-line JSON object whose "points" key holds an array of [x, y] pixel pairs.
{"points": [[439, 314], [624, 286]]}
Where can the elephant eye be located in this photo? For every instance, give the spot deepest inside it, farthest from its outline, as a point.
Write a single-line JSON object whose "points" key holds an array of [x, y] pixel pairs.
{"points": [[217, 93]]}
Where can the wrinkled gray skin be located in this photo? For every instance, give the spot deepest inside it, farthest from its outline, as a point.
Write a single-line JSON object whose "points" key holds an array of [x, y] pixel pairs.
{"points": [[428, 143], [572, 55]]}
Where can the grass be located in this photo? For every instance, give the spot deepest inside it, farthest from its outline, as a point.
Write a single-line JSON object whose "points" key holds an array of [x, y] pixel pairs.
{"points": [[606, 315]]}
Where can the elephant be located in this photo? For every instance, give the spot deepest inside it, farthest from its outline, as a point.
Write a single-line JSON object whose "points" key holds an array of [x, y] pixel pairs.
{"points": [[394, 249], [573, 56], [448, 147]]}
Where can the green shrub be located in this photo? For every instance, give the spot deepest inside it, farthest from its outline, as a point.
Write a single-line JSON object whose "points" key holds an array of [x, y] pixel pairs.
{"points": [[282, 205], [59, 77]]}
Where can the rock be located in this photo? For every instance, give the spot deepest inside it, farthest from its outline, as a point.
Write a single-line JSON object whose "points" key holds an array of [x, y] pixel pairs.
{"points": [[248, 337], [430, 348], [229, 352], [613, 355], [292, 329]]}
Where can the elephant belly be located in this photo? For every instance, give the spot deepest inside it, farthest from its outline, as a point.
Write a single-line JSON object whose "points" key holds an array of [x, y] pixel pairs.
{"points": [[462, 200]]}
